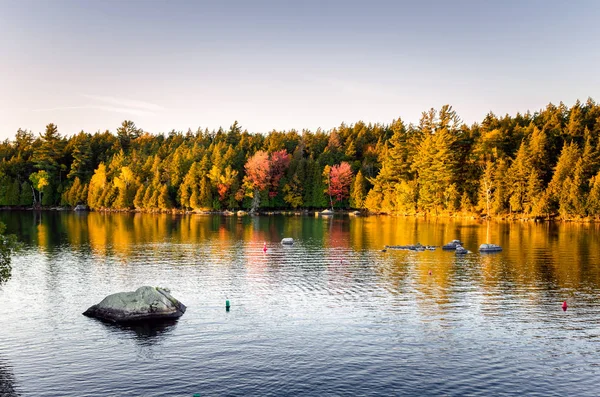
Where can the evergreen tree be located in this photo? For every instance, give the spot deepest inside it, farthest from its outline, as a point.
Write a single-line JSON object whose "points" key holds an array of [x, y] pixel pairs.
{"points": [[25, 197], [138, 200], [500, 187], [164, 201], [82, 156], [518, 179], [593, 199], [47, 154], [358, 193]]}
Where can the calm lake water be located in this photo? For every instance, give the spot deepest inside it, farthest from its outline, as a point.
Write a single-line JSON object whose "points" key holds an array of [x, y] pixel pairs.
{"points": [[330, 315]]}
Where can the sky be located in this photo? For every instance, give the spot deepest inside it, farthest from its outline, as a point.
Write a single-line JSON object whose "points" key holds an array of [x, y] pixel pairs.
{"points": [[89, 65]]}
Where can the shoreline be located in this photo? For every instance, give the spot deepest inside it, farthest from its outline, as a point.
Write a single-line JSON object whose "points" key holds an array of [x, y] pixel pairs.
{"points": [[315, 212]]}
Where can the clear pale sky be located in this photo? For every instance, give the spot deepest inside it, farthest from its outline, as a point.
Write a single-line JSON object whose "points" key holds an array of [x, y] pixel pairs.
{"points": [[89, 65]]}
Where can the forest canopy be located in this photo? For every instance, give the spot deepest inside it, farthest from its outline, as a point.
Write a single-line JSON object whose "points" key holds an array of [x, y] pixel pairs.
{"points": [[542, 164]]}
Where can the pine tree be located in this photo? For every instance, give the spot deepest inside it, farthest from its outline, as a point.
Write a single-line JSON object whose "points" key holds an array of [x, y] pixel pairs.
{"points": [[12, 194], [205, 197], [138, 201], [560, 187], [593, 199], [358, 193], [500, 183], [164, 201], [46, 155], [25, 197], [293, 192], [147, 200], [82, 156], [518, 175]]}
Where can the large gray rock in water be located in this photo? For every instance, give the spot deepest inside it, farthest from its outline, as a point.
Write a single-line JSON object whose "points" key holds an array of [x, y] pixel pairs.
{"points": [[145, 303]]}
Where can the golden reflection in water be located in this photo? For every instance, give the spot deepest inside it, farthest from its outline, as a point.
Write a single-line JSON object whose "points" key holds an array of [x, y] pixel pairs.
{"points": [[564, 255], [43, 236], [557, 255]]}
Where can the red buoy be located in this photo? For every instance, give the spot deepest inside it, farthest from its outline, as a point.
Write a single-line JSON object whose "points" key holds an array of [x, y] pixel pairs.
{"points": [[564, 306], [265, 247], [430, 272]]}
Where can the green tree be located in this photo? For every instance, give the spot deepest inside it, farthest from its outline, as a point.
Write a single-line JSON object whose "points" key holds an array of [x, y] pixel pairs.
{"points": [[126, 133], [81, 167], [48, 152], [25, 197]]}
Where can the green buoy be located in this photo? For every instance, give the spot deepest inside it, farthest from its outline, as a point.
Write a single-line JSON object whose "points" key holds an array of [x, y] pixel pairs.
{"points": [[227, 305]]}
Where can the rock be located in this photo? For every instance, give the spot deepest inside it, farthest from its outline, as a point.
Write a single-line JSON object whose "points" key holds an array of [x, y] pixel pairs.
{"points": [[461, 250], [287, 241], [145, 303], [489, 248], [452, 245], [80, 207]]}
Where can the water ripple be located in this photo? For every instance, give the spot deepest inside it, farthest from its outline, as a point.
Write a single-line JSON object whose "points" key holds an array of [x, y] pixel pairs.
{"points": [[330, 315]]}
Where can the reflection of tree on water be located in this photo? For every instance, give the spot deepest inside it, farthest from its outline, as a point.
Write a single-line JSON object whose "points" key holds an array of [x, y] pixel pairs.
{"points": [[7, 381], [5, 271], [7, 245]]}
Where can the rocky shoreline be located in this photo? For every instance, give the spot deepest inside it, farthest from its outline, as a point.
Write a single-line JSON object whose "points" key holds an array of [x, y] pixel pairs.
{"points": [[313, 212]]}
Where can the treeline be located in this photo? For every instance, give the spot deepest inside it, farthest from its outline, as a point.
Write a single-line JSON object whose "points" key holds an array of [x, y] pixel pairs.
{"points": [[543, 164]]}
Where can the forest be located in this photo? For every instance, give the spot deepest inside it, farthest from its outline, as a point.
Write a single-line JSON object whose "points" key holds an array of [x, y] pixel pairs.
{"points": [[542, 165]]}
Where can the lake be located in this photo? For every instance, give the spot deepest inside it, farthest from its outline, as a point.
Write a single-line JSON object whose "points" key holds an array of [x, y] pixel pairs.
{"points": [[330, 315]]}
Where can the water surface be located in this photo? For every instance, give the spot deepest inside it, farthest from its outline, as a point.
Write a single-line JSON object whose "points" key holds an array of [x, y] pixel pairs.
{"points": [[330, 315]]}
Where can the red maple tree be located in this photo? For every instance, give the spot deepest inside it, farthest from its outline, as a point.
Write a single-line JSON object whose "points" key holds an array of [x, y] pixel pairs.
{"points": [[279, 162], [258, 170], [340, 179]]}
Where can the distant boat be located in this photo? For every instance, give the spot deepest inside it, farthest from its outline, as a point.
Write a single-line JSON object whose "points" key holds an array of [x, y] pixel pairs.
{"points": [[287, 241], [452, 245], [489, 248]]}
